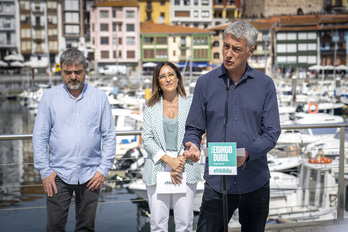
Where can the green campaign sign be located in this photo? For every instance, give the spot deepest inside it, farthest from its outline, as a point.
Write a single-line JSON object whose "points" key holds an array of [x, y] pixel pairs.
{"points": [[222, 158]]}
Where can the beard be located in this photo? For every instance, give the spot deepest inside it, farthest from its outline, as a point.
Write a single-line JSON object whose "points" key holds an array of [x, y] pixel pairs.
{"points": [[74, 84]]}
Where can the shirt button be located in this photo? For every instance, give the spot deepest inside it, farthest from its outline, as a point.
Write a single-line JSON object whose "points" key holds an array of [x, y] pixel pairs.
{"points": [[77, 127], [235, 119], [78, 166], [235, 182], [78, 140], [77, 114], [235, 135], [235, 103], [78, 153]]}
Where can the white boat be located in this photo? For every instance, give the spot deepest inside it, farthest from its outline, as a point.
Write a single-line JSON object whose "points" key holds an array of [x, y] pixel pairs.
{"points": [[302, 137], [283, 164], [328, 147], [310, 196]]}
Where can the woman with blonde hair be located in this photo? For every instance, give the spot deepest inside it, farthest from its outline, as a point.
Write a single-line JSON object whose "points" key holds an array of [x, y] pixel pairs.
{"points": [[163, 131]]}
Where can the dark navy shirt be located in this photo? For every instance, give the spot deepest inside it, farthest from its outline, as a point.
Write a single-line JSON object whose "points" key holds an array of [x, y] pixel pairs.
{"points": [[252, 122]]}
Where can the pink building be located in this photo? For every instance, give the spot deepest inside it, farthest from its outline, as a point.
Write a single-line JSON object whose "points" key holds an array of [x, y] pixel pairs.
{"points": [[115, 30]]}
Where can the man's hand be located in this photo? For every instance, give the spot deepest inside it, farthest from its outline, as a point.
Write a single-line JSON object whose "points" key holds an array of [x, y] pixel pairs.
{"points": [[192, 152], [49, 184], [240, 160], [96, 182]]}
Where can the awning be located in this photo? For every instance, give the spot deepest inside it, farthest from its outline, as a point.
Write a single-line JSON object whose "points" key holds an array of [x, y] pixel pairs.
{"points": [[149, 65], [194, 64]]}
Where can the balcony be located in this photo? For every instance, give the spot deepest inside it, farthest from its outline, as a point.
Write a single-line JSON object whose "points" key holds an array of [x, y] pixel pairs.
{"points": [[38, 27]]}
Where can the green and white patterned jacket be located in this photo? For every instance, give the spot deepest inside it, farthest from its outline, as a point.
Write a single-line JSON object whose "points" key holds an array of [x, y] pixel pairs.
{"points": [[154, 142]]}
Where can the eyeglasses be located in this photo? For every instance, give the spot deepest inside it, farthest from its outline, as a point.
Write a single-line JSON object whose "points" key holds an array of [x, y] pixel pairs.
{"points": [[164, 76], [77, 72]]}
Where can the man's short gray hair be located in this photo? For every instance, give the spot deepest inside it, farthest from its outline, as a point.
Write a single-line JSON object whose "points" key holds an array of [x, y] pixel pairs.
{"points": [[73, 56], [243, 30]]}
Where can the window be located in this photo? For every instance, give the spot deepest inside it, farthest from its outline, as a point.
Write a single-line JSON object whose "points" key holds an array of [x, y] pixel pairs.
{"points": [[25, 5], [216, 44], [26, 45], [281, 48], [281, 59], [25, 19], [162, 3], [104, 54], [302, 59], [25, 33], [216, 55], [130, 54], [200, 54], [291, 36], [177, 2], [291, 59], [281, 36], [130, 27], [311, 59], [52, 19], [187, 2], [205, 14], [195, 13], [119, 54], [72, 29], [183, 41], [71, 4], [148, 40], [161, 40], [302, 35], [71, 17], [51, 5], [312, 35], [205, 2], [161, 54], [312, 47], [52, 32], [104, 14], [182, 13], [200, 40], [149, 54], [130, 14], [195, 2], [114, 14], [302, 47], [104, 40], [183, 52], [291, 48], [104, 27], [53, 45], [130, 40], [162, 15]]}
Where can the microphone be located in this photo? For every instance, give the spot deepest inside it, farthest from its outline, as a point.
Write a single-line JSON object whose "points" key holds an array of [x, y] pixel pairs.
{"points": [[228, 84]]}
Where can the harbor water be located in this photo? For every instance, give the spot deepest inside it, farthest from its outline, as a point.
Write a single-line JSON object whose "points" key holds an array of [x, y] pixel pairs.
{"points": [[22, 199]]}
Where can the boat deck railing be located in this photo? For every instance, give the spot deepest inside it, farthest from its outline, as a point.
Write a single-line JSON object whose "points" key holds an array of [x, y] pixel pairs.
{"points": [[341, 181]]}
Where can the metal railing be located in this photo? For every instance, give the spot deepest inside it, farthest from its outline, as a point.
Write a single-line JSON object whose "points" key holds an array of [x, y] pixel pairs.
{"points": [[341, 196]]}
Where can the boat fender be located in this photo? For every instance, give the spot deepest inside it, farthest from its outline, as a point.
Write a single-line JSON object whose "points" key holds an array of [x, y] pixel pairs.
{"points": [[316, 110], [323, 160]]}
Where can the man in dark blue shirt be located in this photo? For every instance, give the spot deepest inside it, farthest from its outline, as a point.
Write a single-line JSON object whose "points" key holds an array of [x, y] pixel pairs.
{"points": [[252, 121]]}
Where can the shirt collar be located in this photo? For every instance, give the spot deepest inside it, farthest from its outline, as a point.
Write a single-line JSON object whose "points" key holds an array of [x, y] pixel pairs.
{"points": [[249, 72]]}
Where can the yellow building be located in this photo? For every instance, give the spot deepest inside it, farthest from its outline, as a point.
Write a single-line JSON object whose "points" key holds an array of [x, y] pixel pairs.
{"points": [[154, 11]]}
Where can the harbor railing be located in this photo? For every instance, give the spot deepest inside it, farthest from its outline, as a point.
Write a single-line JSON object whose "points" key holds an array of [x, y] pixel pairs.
{"points": [[341, 181]]}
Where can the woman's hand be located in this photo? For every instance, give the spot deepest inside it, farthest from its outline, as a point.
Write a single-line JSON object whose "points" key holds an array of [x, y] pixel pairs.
{"points": [[176, 177], [177, 164]]}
